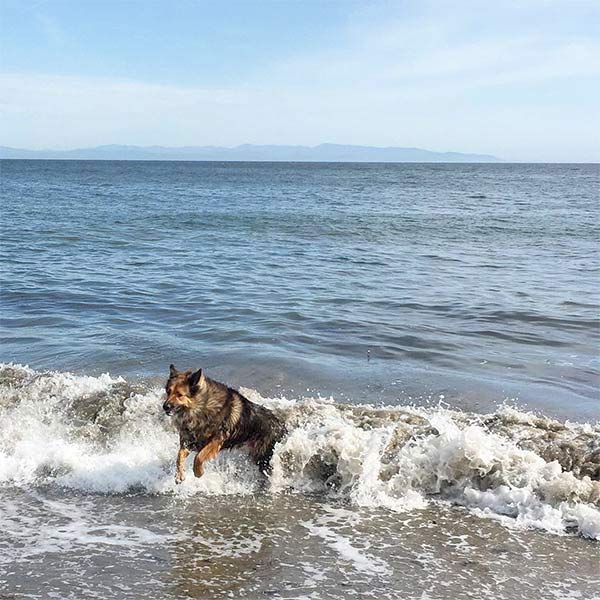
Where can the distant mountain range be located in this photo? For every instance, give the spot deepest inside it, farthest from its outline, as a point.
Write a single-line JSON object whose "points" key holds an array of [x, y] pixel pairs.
{"points": [[249, 152]]}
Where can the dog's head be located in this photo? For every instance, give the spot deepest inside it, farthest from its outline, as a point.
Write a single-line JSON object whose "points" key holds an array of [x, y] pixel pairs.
{"points": [[181, 389]]}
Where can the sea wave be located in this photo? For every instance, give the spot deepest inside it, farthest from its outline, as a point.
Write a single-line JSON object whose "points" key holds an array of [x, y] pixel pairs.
{"points": [[107, 435]]}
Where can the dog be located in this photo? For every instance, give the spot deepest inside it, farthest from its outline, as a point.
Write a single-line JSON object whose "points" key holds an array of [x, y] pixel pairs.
{"points": [[212, 417]]}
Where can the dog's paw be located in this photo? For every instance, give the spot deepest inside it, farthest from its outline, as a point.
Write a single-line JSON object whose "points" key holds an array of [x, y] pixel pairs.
{"points": [[179, 478]]}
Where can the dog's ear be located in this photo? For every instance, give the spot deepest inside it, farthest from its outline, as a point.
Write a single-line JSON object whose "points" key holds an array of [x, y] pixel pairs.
{"points": [[194, 378], [172, 371]]}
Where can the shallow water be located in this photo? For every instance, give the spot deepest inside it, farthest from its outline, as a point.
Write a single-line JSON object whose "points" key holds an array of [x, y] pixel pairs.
{"points": [[283, 547]]}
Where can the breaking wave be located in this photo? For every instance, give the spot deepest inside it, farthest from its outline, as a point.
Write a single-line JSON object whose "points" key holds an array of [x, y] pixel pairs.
{"points": [[108, 435]]}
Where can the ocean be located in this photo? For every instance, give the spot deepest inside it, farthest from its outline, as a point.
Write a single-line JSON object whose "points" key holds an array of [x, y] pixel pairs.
{"points": [[429, 332]]}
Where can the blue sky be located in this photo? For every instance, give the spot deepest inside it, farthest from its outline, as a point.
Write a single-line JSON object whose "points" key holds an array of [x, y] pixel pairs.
{"points": [[517, 79]]}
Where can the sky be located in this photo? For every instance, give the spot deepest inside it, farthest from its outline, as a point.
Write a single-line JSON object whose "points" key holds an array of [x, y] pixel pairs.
{"points": [[517, 79]]}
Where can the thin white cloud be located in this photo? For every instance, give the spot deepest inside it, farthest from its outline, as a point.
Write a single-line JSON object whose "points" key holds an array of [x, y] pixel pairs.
{"points": [[426, 53]]}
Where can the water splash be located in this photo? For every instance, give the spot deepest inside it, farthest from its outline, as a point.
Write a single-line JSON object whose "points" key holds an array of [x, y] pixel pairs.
{"points": [[106, 435]]}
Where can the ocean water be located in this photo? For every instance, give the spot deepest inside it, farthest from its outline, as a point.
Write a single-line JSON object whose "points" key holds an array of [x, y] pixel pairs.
{"points": [[430, 334]]}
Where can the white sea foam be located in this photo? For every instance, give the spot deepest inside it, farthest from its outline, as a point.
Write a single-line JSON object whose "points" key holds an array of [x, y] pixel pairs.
{"points": [[347, 552], [103, 435], [326, 527], [67, 525]]}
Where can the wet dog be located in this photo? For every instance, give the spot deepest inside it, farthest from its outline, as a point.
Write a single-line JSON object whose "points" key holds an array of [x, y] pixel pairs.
{"points": [[211, 417]]}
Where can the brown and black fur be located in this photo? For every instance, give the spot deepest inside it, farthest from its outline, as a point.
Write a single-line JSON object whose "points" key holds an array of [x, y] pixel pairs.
{"points": [[211, 416]]}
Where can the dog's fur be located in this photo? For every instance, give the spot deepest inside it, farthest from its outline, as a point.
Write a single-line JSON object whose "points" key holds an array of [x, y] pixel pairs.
{"points": [[211, 416]]}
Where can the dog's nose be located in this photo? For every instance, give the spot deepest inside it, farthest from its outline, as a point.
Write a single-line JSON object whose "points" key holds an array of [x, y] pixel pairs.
{"points": [[168, 407]]}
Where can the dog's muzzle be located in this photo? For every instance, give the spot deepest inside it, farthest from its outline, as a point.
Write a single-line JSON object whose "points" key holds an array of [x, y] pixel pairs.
{"points": [[168, 408]]}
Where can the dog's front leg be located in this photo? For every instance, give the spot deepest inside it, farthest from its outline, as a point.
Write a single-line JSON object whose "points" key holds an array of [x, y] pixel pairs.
{"points": [[209, 451], [181, 456]]}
